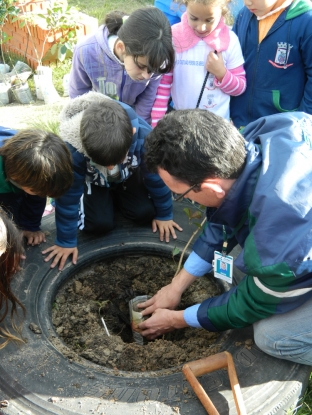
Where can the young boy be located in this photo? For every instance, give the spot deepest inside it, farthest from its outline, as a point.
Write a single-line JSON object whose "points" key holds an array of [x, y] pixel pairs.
{"points": [[106, 139], [275, 36], [34, 164]]}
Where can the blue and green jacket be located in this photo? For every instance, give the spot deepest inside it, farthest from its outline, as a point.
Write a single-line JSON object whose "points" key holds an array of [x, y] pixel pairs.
{"points": [[279, 69], [67, 206], [274, 194]]}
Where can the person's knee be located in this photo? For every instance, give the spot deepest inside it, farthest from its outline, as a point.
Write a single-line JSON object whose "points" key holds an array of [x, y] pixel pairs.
{"points": [[261, 337], [283, 344]]}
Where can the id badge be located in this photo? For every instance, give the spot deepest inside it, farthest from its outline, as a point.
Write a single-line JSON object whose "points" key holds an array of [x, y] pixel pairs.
{"points": [[223, 267]]}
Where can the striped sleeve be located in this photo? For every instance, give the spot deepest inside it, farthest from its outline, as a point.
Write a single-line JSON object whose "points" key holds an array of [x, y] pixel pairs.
{"points": [[233, 82], [162, 97]]}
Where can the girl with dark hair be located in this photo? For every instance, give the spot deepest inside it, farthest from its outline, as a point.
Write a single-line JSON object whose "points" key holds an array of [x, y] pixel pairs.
{"points": [[11, 252], [125, 58]]}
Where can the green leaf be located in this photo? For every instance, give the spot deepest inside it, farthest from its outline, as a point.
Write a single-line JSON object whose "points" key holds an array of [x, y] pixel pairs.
{"points": [[54, 48], [188, 212], [197, 224], [196, 215], [63, 49], [22, 24], [175, 251]]}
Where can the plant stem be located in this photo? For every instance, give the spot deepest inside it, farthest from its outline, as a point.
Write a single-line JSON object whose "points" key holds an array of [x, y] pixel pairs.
{"points": [[187, 245]]}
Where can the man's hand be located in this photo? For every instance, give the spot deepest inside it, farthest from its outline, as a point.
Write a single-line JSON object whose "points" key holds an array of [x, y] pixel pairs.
{"points": [[34, 238], [215, 65], [166, 227], [168, 296], [61, 255], [162, 321]]}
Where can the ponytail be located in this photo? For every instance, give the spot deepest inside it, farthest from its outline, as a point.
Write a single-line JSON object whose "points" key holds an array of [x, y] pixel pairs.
{"points": [[147, 32], [113, 21]]}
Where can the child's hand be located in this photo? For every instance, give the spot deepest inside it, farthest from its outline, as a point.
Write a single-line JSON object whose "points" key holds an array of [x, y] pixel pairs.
{"points": [[61, 254], [166, 227], [34, 238], [215, 65]]}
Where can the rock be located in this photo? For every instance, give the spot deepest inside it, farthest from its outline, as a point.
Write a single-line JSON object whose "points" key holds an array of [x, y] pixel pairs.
{"points": [[34, 328]]}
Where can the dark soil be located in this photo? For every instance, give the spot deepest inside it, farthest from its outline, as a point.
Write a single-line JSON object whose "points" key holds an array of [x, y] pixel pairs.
{"points": [[105, 291]]}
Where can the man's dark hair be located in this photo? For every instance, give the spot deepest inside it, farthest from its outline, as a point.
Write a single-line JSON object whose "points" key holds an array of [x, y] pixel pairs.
{"points": [[193, 145], [38, 160], [106, 132]]}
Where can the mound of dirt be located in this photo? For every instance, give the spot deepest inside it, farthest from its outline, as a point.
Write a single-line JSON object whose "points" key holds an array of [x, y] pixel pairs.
{"points": [[104, 290]]}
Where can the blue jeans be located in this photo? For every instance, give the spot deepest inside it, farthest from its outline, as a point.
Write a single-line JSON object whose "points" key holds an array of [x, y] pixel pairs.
{"points": [[287, 336]]}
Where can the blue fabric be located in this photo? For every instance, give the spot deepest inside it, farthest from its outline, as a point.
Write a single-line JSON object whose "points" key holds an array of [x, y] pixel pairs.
{"points": [[6, 133], [235, 6], [196, 266], [264, 73], [172, 10], [190, 316]]}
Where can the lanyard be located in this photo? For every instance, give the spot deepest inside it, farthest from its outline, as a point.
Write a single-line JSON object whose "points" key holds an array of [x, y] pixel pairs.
{"points": [[226, 237]]}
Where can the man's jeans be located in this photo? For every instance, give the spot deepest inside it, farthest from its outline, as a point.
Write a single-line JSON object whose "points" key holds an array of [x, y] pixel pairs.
{"points": [[287, 336]]}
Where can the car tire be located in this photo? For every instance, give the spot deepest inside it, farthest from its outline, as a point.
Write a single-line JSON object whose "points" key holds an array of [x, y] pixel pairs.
{"points": [[37, 378]]}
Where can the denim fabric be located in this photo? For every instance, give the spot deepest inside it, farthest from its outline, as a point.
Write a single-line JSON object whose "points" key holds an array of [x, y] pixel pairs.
{"points": [[287, 336]]}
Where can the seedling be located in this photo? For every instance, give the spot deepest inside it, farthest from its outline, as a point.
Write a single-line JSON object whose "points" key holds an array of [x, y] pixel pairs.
{"points": [[197, 214]]}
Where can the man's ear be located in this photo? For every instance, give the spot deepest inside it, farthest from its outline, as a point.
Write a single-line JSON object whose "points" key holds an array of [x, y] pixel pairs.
{"points": [[215, 186], [119, 49]]}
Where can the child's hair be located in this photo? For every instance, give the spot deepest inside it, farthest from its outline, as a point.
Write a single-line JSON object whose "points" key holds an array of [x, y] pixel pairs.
{"points": [[106, 132], [146, 32], [38, 160], [223, 4], [11, 250]]}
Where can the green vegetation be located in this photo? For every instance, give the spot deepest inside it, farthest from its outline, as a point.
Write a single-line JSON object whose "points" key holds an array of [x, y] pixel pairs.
{"points": [[99, 8], [304, 406]]}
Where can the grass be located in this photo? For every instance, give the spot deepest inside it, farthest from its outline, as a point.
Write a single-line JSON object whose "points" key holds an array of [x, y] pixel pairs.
{"points": [[99, 8], [304, 406]]}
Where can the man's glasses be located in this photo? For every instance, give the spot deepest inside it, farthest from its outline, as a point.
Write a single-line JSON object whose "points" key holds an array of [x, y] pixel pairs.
{"points": [[179, 197]]}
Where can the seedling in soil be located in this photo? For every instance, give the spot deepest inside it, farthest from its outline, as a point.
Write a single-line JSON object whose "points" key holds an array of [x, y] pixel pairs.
{"points": [[197, 214]]}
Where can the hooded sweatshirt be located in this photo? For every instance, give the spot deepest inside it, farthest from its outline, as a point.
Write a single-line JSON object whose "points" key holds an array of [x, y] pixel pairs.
{"points": [[95, 67], [67, 206], [279, 69]]}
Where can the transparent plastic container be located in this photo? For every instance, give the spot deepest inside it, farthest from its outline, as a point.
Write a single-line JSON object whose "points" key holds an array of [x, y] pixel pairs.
{"points": [[136, 317]]}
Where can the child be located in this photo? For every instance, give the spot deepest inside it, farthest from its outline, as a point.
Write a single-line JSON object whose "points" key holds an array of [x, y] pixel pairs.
{"points": [[276, 38], [106, 139], [34, 164], [124, 58], [202, 33], [11, 252]]}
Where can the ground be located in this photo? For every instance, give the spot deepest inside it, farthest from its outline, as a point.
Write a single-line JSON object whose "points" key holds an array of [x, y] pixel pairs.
{"points": [[18, 116], [104, 290]]}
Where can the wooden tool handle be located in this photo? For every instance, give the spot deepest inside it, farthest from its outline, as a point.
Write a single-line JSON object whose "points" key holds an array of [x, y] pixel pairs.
{"points": [[210, 364]]}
